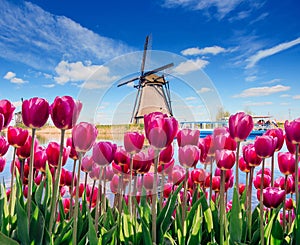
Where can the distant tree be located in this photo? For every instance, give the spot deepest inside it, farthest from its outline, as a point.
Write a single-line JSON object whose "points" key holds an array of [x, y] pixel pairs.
{"points": [[221, 114], [248, 111]]}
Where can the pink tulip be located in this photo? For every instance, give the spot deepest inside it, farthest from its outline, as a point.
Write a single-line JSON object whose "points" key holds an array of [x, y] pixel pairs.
{"points": [[160, 130], [228, 173], [52, 152], [267, 171], [35, 112], [222, 139], [289, 205], [3, 146], [16, 136], [166, 155], [188, 155], [203, 149], [104, 153], [276, 133], [225, 159], [240, 126], [7, 110], [265, 146], [148, 181], [133, 142], [188, 136], [84, 136], [177, 175], [167, 190], [87, 164], [1, 121], [95, 172], [73, 153], [40, 159], [121, 156], [272, 197], [65, 112], [2, 164], [23, 152], [266, 181], [292, 130], [286, 163], [216, 183], [167, 167], [243, 165], [114, 184], [251, 156], [279, 182], [290, 146]]}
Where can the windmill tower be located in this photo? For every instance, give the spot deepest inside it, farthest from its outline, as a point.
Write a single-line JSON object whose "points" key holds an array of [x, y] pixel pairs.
{"points": [[153, 92]]}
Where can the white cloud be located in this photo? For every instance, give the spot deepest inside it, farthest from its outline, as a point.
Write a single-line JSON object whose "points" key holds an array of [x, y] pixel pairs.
{"points": [[207, 50], [190, 66], [48, 85], [223, 7], [78, 72], [285, 103], [190, 98], [204, 90], [251, 78], [262, 103], [262, 91], [11, 76], [261, 54], [285, 96], [50, 38], [276, 80], [296, 97]]}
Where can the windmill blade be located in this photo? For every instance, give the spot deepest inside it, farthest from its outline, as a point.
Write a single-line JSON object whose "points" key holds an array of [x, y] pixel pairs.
{"points": [[144, 55], [158, 69], [129, 81]]}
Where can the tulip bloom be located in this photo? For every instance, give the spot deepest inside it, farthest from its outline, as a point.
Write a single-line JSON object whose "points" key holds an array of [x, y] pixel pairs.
{"points": [[73, 153], [40, 159], [133, 142], [240, 126], [65, 112], [84, 136], [87, 164], [3, 146], [278, 134], [272, 197], [251, 156], [292, 130], [7, 110], [243, 165], [2, 164], [16, 136], [104, 153], [266, 181], [222, 139], [265, 146], [23, 152], [35, 112], [286, 163], [160, 129], [225, 159], [52, 152], [198, 176], [188, 155], [188, 136]]}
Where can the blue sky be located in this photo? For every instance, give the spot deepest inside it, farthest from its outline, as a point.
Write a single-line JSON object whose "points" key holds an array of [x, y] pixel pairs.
{"points": [[239, 54]]}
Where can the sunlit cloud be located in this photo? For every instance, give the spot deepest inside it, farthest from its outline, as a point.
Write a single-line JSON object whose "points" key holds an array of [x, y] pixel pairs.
{"points": [[207, 50], [251, 78], [11, 76], [190, 66], [190, 98], [296, 97], [204, 90], [261, 54], [261, 103], [262, 91], [285, 96]]}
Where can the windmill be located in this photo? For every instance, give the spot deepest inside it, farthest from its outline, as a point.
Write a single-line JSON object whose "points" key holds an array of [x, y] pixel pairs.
{"points": [[153, 92]]}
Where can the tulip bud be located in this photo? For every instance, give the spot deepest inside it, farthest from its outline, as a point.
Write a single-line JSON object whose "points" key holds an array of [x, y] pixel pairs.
{"points": [[84, 136], [240, 126]]}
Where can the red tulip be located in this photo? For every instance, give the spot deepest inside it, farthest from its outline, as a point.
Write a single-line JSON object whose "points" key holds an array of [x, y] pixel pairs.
{"points": [[241, 188], [243, 165], [228, 173], [267, 171], [7, 110], [276, 133], [1, 121], [225, 159], [167, 167], [87, 164], [216, 183], [265, 146], [2, 164], [290, 184], [188, 155], [290, 146], [65, 112], [3, 146], [23, 152], [35, 112], [160, 130], [203, 149], [121, 157], [84, 136], [272, 197], [166, 155], [257, 181], [292, 130], [40, 159], [133, 142], [198, 176], [222, 139], [16, 136], [188, 136], [104, 153], [251, 156], [286, 163], [73, 153], [68, 178], [167, 190], [289, 205], [142, 162], [240, 126], [52, 152]]}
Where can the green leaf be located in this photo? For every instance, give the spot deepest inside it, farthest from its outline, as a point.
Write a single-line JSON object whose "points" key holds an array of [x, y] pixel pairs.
{"points": [[235, 222], [277, 233], [48, 195], [64, 234], [214, 223], [4, 213], [196, 232], [22, 222], [37, 224], [209, 214], [296, 234], [92, 236], [6, 240], [108, 235], [39, 193]]}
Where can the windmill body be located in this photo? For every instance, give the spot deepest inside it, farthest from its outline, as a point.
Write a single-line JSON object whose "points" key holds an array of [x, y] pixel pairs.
{"points": [[153, 93]]}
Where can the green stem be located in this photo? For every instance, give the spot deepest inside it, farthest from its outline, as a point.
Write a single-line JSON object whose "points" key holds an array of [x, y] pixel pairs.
{"points": [[75, 217], [261, 206], [92, 193], [249, 198], [222, 207], [104, 191], [129, 187], [56, 184], [237, 165], [12, 181], [30, 178], [210, 180], [184, 202], [297, 176], [154, 196], [272, 170], [72, 187], [283, 217], [161, 198], [98, 204]]}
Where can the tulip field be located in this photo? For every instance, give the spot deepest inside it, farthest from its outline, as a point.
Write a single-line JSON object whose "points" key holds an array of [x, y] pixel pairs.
{"points": [[141, 191]]}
